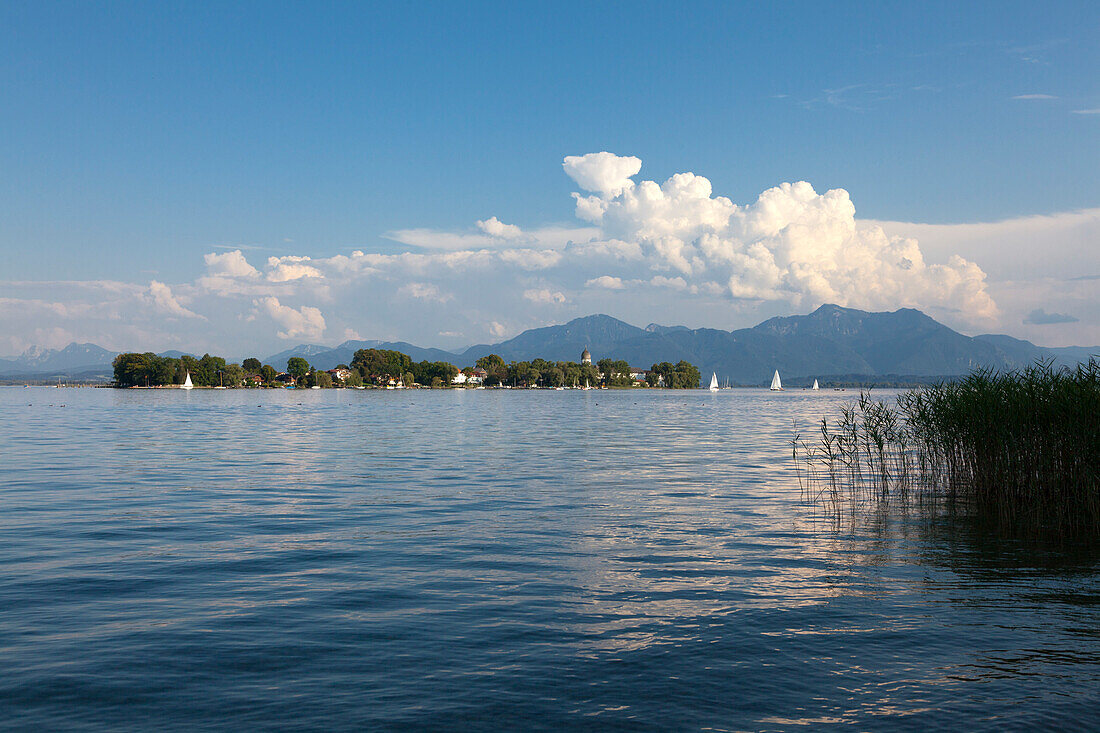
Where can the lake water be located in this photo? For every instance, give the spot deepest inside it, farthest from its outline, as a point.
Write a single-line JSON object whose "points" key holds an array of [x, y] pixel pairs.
{"points": [[604, 560]]}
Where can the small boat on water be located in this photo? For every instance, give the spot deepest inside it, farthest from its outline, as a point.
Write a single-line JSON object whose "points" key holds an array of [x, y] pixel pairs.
{"points": [[814, 388], [777, 384], [713, 382], [315, 387], [187, 382]]}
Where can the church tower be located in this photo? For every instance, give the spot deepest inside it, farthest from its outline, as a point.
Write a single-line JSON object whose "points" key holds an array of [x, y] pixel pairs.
{"points": [[586, 358]]}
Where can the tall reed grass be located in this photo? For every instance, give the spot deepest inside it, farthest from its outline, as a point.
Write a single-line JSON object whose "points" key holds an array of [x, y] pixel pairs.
{"points": [[1021, 448]]}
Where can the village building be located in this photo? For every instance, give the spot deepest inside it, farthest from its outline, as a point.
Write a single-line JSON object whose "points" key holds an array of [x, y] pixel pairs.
{"points": [[476, 376], [339, 374]]}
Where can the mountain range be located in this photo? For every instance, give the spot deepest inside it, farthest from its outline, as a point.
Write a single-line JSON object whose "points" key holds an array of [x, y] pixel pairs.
{"points": [[829, 342], [75, 359]]}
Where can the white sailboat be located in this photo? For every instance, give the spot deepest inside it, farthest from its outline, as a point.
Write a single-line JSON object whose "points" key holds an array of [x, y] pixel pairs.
{"points": [[187, 382], [713, 382], [815, 386], [777, 385]]}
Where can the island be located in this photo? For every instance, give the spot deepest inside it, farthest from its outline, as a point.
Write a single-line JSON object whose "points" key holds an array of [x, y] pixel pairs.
{"points": [[390, 369]]}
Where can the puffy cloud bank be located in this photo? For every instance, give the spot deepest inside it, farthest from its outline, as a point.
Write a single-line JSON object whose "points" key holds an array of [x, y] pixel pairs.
{"points": [[792, 244], [303, 323]]}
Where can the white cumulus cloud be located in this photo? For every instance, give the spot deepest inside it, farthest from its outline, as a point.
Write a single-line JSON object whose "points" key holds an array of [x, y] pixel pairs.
{"points": [[494, 227], [544, 295], [424, 291], [284, 269], [792, 244], [606, 281], [167, 303], [229, 264], [301, 323], [605, 173]]}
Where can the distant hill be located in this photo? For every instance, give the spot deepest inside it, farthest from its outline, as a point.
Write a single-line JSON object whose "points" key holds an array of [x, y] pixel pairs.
{"points": [[306, 351], [75, 359], [600, 334], [843, 344], [900, 346]]}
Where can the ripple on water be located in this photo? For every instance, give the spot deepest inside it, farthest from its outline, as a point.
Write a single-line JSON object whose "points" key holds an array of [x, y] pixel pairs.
{"points": [[545, 560]]}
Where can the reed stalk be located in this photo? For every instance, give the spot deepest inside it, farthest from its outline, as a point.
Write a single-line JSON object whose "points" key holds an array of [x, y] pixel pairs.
{"points": [[1020, 447]]}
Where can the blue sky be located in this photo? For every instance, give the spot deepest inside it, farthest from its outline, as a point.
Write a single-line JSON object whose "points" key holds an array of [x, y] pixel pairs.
{"points": [[136, 138]]}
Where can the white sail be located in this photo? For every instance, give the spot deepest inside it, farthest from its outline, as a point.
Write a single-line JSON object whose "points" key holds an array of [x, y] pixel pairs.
{"points": [[187, 382], [815, 385], [713, 382], [776, 384]]}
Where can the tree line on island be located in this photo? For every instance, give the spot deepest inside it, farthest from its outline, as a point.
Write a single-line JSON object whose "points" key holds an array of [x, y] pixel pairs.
{"points": [[386, 367]]}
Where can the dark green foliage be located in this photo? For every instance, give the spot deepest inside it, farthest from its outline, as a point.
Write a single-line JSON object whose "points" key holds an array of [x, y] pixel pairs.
{"points": [[1022, 448], [426, 372], [252, 365], [614, 373], [139, 370], [297, 367], [681, 376], [150, 370], [495, 368], [378, 366]]}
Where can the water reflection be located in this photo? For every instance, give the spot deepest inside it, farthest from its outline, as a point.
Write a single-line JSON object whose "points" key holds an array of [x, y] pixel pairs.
{"points": [[440, 559]]}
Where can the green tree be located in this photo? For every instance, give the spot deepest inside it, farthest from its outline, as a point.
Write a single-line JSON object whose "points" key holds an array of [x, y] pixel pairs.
{"points": [[162, 370], [321, 379], [145, 370], [615, 373], [381, 364], [297, 367], [252, 365], [687, 376], [131, 369], [268, 373], [207, 370], [683, 375], [233, 375], [491, 363]]}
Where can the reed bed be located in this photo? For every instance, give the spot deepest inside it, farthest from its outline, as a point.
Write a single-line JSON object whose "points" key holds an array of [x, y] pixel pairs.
{"points": [[1020, 448]]}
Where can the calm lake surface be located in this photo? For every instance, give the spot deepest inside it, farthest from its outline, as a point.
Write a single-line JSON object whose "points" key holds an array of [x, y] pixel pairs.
{"points": [[603, 560]]}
